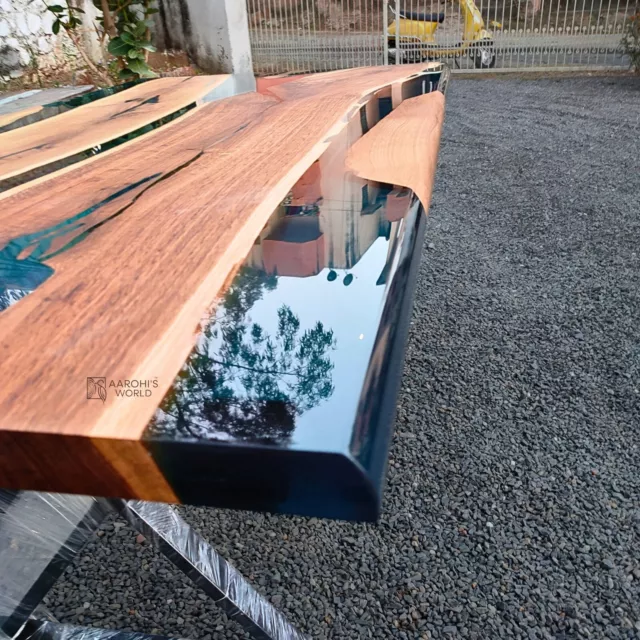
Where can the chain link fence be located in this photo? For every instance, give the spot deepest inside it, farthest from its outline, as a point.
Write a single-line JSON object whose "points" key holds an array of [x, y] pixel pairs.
{"points": [[297, 36]]}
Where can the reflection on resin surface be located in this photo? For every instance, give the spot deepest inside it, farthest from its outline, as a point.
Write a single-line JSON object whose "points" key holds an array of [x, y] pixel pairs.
{"points": [[295, 343], [250, 378], [284, 358]]}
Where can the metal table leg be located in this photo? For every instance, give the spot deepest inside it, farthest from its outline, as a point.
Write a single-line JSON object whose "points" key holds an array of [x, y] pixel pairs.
{"points": [[207, 569], [40, 535]]}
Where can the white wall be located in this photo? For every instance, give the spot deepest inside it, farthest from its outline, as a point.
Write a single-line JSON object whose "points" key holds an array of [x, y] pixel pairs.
{"points": [[214, 33], [25, 35], [27, 42]]}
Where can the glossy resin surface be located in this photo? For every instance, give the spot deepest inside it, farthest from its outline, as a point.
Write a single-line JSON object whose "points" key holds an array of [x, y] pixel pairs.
{"points": [[287, 402]]}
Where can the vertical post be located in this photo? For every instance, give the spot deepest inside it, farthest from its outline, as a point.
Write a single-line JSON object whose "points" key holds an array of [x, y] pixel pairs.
{"points": [[88, 34], [385, 26], [217, 37], [399, 56]]}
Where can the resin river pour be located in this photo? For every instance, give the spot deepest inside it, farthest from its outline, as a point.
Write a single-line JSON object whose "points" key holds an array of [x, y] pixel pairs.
{"points": [[22, 260], [293, 378], [293, 335], [261, 383], [297, 355]]}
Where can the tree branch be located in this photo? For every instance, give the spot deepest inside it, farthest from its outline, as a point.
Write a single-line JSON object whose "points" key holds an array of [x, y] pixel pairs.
{"points": [[109, 27], [101, 74], [240, 366]]}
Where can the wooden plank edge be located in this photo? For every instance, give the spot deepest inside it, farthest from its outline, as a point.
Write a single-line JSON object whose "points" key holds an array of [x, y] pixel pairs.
{"points": [[101, 468], [216, 81], [10, 118], [403, 149], [85, 163]]}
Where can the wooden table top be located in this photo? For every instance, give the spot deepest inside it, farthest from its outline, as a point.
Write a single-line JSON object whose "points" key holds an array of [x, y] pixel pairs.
{"points": [[93, 124], [115, 268], [24, 103]]}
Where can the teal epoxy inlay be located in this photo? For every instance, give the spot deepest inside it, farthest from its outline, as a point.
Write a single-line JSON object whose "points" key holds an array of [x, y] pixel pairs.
{"points": [[40, 241], [21, 276], [60, 106], [92, 96]]}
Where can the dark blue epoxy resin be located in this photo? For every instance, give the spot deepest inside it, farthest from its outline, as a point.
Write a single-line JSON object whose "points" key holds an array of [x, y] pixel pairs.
{"points": [[287, 402]]}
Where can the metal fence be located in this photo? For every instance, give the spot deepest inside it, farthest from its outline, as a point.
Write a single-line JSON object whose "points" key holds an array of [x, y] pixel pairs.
{"points": [[296, 36]]}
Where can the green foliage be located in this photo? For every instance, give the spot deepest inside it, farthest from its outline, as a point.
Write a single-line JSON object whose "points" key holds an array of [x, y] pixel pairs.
{"points": [[118, 47], [66, 18], [631, 41], [130, 47], [140, 67], [127, 29]]}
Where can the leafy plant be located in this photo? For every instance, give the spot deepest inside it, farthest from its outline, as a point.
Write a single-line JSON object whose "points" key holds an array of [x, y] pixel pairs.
{"points": [[630, 42], [122, 27], [129, 33], [66, 17]]}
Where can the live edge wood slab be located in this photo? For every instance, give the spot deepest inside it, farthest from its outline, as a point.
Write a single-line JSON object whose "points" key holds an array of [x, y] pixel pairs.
{"points": [[403, 148], [98, 122], [27, 103], [139, 243]]}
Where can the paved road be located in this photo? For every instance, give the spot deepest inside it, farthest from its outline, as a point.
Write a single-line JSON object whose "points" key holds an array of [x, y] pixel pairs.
{"points": [[290, 53]]}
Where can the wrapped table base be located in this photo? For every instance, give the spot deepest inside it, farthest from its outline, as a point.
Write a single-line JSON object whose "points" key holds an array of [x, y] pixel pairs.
{"points": [[41, 533]]}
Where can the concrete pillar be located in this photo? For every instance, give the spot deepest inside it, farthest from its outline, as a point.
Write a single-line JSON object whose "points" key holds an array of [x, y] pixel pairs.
{"points": [[217, 35], [88, 33], [214, 33]]}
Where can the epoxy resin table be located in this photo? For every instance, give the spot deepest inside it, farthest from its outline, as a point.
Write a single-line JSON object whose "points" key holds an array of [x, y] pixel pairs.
{"points": [[216, 313]]}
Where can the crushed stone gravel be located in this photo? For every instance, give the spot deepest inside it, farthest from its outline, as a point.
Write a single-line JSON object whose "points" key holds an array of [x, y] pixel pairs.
{"points": [[513, 501]]}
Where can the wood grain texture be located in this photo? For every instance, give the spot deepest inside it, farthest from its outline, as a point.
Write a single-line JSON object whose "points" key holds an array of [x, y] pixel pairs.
{"points": [[171, 217], [98, 122], [403, 148], [8, 118], [25, 103]]}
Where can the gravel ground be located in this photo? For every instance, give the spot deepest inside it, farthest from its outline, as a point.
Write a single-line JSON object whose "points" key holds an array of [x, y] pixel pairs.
{"points": [[513, 501]]}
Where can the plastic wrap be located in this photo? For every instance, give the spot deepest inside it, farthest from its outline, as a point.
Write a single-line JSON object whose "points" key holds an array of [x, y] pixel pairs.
{"points": [[210, 571], [37, 630], [41, 533]]}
